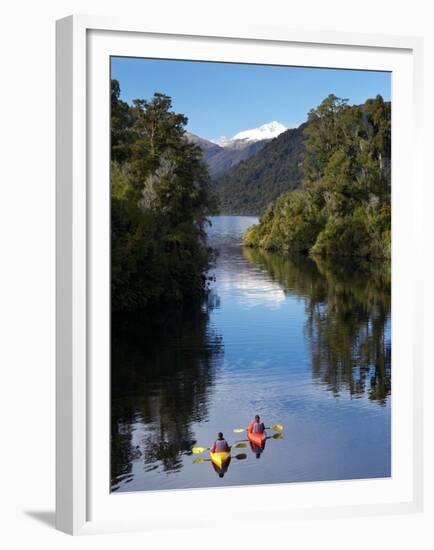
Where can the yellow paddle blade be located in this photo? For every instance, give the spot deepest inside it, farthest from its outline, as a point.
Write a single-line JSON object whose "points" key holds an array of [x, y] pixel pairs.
{"points": [[277, 436], [241, 456], [239, 446], [198, 460], [239, 430], [277, 427], [198, 450]]}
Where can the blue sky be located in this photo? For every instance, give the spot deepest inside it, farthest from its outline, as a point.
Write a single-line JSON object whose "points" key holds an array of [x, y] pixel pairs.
{"points": [[223, 99]]}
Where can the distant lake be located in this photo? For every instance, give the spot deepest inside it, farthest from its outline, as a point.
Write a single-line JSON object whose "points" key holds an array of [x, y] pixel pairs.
{"points": [[302, 342]]}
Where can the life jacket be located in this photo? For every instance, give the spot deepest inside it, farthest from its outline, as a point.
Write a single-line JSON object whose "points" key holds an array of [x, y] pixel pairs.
{"points": [[258, 427], [221, 446]]}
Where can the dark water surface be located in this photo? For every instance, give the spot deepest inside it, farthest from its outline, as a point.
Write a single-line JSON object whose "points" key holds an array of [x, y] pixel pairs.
{"points": [[301, 342]]}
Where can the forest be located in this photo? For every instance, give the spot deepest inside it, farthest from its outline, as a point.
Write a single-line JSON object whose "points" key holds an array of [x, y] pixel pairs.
{"points": [[344, 204], [199, 321], [160, 200], [249, 186], [336, 167]]}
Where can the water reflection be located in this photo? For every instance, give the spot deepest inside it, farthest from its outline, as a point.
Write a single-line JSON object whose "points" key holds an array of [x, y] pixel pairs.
{"points": [[257, 450], [221, 470], [163, 370], [347, 324], [301, 342]]}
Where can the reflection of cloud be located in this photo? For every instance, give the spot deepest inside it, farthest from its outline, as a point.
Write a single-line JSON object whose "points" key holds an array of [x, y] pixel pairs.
{"points": [[251, 289], [237, 280]]}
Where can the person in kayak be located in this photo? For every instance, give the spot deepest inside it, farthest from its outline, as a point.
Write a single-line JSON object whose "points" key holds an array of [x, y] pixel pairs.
{"points": [[256, 426], [220, 445]]}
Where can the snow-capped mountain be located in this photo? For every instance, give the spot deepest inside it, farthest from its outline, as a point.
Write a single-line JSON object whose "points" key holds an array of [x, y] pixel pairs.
{"points": [[222, 154], [265, 132]]}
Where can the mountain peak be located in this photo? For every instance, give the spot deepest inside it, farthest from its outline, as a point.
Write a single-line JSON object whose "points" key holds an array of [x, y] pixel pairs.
{"points": [[267, 131]]}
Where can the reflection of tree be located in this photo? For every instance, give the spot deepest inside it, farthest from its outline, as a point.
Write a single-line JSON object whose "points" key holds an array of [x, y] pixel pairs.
{"points": [[348, 315], [162, 373]]}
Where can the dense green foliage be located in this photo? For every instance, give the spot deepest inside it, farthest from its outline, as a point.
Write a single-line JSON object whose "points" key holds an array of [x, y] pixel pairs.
{"points": [[344, 205], [248, 187], [159, 202]]}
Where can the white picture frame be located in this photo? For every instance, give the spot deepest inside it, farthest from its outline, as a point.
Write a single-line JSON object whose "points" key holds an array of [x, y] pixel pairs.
{"points": [[83, 501]]}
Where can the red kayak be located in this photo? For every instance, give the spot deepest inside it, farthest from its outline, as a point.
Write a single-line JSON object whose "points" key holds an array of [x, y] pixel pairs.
{"points": [[257, 438]]}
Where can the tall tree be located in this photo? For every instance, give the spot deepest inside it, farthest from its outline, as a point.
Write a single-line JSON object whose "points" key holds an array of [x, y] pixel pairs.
{"points": [[344, 206], [160, 203]]}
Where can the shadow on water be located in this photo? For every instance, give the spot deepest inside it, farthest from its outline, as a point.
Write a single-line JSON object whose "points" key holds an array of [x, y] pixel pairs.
{"points": [[347, 306], [163, 370]]}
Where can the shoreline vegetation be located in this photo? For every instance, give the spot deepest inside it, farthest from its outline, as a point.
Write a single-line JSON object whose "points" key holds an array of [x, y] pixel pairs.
{"points": [[162, 197], [160, 203], [343, 207]]}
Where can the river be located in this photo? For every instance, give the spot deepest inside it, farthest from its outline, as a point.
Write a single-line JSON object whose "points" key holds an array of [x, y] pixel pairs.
{"points": [[304, 343]]}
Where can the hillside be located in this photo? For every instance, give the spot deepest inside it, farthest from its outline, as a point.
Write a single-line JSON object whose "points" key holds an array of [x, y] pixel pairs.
{"points": [[209, 148], [219, 158], [252, 184], [343, 208]]}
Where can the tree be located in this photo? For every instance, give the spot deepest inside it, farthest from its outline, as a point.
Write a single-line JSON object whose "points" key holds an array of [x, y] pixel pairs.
{"points": [[344, 205], [160, 203], [121, 122]]}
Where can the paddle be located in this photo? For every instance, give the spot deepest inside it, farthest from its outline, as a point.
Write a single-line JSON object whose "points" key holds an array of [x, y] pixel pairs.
{"points": [[200, 460], [240, 456], [200, 450], [276, 427]]}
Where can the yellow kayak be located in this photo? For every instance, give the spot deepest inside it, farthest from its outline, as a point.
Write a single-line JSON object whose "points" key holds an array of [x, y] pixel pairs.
{"points": [[220, 459]]}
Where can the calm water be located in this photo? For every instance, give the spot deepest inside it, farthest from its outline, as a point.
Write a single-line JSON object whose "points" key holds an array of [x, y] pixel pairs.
{"points": [[303, 343]]}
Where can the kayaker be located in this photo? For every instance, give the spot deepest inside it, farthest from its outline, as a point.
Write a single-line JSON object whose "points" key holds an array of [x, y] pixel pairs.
{"points": [[220, 445], [256, 426]]}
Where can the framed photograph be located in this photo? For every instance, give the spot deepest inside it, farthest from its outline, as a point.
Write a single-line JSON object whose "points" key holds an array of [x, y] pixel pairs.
{"points": [[237, 275]]}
